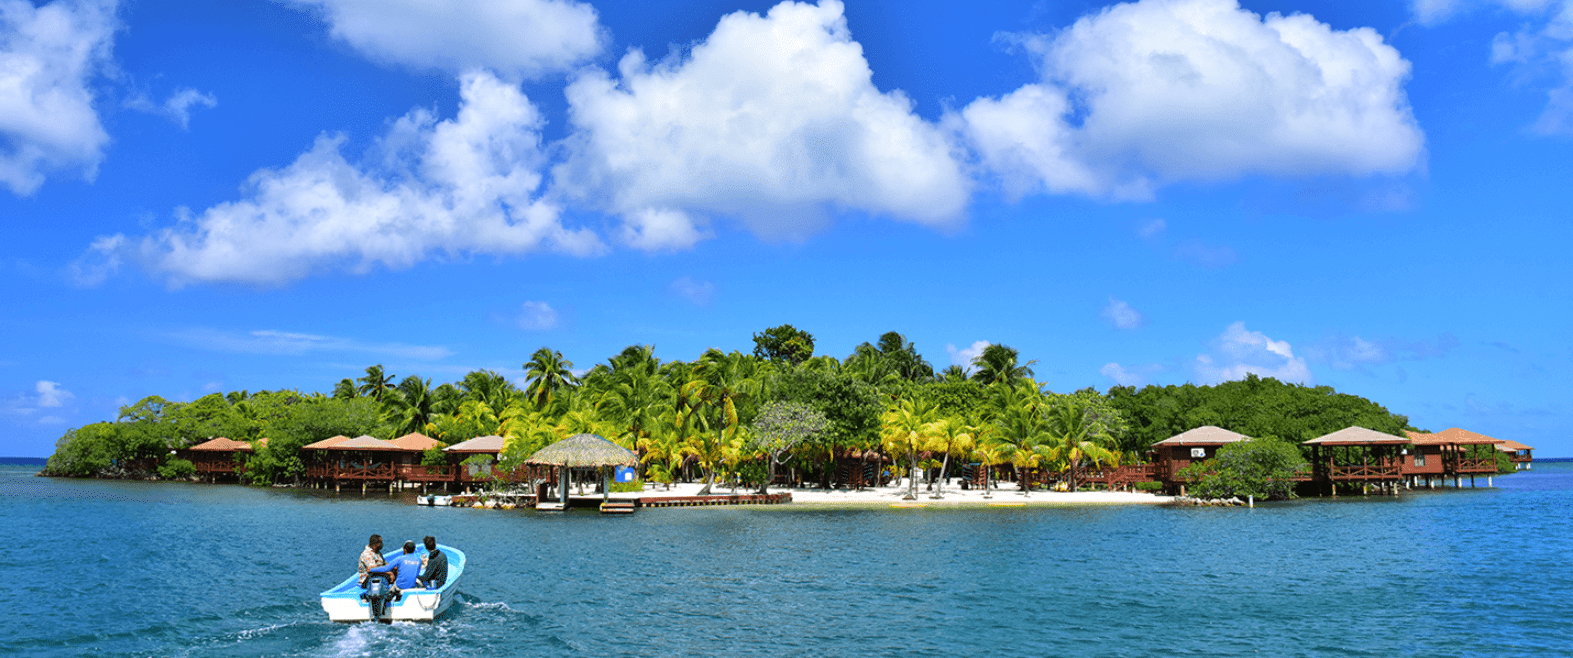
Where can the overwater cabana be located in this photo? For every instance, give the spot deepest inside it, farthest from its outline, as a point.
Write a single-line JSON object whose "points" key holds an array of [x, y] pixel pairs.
{"points": [[1452, 453], [219, 457], [467, 475], [1186, 448], [363, 459], [1356, 456], [1522, 456], [409, 469]]}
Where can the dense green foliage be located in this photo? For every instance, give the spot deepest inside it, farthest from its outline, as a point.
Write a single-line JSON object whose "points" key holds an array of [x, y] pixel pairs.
{"points": [[785, 343], [1252, 406], [730, 415], [1259, 467]]}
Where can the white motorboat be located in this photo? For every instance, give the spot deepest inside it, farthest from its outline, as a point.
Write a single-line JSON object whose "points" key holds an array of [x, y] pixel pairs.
{"points": [[434, 501], [351, 602]]}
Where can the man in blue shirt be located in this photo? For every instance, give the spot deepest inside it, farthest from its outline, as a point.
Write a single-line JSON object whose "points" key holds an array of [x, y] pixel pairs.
{"points": [[407, 566]]}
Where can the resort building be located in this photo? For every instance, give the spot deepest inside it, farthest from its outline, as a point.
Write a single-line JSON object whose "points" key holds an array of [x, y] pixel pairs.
{"points": [[1452, 453], [1186, 448], [410, 470], [476, 471], [219, 457], [1356, 456], [363, 459], [1522, 456]]}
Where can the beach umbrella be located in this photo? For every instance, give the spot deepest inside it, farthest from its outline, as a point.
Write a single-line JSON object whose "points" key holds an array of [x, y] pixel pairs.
{"points": [[583, 451]]}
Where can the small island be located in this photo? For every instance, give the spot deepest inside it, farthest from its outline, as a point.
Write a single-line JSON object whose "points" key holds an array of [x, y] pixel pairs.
{"points": [[879, 426]]}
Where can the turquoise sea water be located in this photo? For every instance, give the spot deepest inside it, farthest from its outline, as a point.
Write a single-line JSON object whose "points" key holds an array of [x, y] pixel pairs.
{"points": [[151, 569]]}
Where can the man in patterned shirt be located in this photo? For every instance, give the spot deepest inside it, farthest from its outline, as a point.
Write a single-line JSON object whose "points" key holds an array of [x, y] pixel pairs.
{"points": [[370, 558]]}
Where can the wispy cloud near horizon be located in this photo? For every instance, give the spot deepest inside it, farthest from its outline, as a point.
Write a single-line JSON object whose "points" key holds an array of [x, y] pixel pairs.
{"points": [[286, 343]]}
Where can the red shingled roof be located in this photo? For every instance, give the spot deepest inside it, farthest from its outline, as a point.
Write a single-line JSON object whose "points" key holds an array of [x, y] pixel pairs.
{"points": [[221, 444], [1206, 435], [416, 442]]}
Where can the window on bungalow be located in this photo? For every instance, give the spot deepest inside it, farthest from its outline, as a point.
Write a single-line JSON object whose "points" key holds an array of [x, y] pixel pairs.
{"points": [[1420, 458]]}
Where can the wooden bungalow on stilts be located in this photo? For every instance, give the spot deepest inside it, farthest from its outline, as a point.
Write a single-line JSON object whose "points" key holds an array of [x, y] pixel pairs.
{"points": [[475, 474], [409, 470], [320, 464], [1523, 456], [364, 459], [219, 458], [1356, 456], [1452, 453], [1186, 448]]}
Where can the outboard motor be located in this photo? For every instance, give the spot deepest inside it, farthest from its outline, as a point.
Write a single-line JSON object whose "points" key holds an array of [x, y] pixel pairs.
{"points": [[379, 592]]}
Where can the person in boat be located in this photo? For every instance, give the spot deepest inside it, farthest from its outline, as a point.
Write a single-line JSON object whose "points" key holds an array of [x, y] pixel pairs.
{"points": [[370, 559], [434, 565], [406, 568]]}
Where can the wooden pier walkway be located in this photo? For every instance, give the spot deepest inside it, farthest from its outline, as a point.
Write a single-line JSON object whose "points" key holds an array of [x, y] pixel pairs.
{"points": [[697, 501]]}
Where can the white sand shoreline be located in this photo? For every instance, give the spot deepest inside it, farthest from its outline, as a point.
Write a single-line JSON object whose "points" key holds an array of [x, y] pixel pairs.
{"points": [[894, 496]]}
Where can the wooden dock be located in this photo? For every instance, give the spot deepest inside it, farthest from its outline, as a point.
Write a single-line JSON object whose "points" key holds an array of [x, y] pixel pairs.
{"points": [[703, 501]]}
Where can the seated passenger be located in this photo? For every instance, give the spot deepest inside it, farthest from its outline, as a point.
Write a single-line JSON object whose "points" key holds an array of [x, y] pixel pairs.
{"points": [[434, 566], [370, 558], [407, 567]]}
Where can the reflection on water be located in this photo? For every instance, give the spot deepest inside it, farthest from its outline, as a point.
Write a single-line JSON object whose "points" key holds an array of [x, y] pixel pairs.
{"points": [[144, 569]]}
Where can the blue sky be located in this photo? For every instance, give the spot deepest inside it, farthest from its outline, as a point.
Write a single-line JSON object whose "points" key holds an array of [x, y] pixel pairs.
{"points": [[205, 197]]}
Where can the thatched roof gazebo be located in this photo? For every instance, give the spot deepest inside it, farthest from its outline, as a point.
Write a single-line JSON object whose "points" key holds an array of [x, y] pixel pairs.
{"points": [[582, 451]]}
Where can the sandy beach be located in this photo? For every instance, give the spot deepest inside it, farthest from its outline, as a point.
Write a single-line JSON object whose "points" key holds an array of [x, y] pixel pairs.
{"points": [[892, 496]]}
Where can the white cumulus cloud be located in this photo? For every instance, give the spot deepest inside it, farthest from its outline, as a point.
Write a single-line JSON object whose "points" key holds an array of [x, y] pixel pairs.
{"points": [[1239, 352], [773, 120], [537, 316], [48, 56], [964, 357], [1121, 315], [51, 395], [526, 38], [465, 185], [1158, 91]]}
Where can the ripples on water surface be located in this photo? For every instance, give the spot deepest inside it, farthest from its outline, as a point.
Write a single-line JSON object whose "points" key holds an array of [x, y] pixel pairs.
{"points": [[149, 569]]}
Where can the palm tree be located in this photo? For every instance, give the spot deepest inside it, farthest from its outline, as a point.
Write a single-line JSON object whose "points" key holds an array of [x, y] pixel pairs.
{"points": [[1073, 438], [345, 389], [1017, 428], [953, 373], [545, 374], [634, 401], [950, 436], [724, 384], [907, 426], [410, 405], [997, 364], [489, 387], [375, 383], [661, 451]]}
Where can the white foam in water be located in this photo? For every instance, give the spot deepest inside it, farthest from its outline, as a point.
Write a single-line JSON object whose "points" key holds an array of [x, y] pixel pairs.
{"points": [[259, 632], [354, 641]]}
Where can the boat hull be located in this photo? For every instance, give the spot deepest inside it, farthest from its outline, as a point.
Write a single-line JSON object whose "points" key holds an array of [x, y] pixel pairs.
{"points": [[343, 602]]}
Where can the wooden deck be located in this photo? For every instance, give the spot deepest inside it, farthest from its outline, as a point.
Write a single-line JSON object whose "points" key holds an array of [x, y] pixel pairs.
{"points": [[702, 501]]}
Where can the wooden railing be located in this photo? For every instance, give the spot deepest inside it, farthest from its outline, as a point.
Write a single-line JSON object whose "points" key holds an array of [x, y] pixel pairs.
{"points": [[422, 473], [1475, 466], [215, 467], [1363, 471], [363, 472]]}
